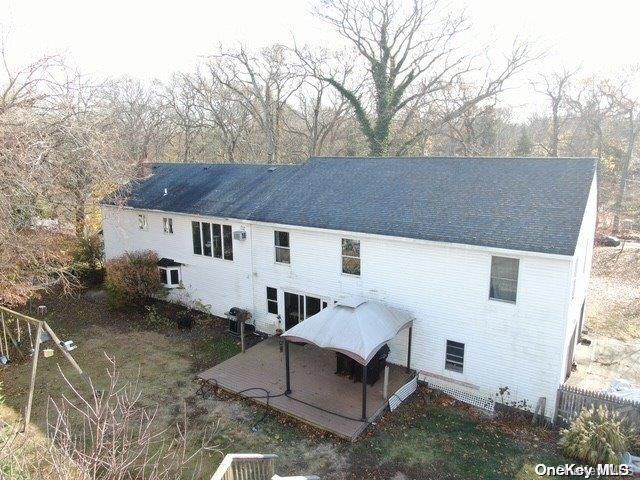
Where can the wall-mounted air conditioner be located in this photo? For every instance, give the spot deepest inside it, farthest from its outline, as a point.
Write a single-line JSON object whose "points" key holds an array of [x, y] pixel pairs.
{"points": [[240, 235]]}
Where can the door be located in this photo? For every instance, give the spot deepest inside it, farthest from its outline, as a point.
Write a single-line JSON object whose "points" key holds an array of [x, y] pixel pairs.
{"points": [[298, 307], [293, 309]]}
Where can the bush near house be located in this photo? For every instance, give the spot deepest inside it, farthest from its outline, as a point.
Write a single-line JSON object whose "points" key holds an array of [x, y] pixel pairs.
{"points": [[87, 260], [132, 279], [596, 436]]}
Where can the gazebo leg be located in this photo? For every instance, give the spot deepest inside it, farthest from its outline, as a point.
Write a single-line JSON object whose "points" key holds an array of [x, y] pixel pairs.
{"points": [[364, 393], [409, 350], [286, 362]]}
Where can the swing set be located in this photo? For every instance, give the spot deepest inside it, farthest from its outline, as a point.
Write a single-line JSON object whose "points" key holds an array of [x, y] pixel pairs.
{"points": [[21, 339]]}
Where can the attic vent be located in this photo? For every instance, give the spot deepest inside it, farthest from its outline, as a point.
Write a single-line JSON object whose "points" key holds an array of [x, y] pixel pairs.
{"points": [[271, 169]]}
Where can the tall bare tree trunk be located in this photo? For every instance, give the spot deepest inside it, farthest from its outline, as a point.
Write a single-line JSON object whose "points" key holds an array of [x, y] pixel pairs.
{"points": [[624, 174]]}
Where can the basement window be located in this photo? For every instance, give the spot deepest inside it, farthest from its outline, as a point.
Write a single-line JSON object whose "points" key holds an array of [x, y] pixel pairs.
{"points": [[170, 276], [351, 256], [504, 279], [142, 221], [167, 225], [272, 300], [454, 360], [283, 249]]}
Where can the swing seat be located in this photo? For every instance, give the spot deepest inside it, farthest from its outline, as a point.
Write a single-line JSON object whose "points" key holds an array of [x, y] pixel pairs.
{"points": [[4, 360], [47, 352]]}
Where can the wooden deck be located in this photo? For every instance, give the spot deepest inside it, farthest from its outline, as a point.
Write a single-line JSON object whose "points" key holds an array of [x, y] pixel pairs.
{"points": [[314, 386]]}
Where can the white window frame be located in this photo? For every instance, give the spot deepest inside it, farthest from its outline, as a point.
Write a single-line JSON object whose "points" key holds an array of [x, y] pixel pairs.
{"points": [[222, 241], [169, 270], [143, 224], [493, 299], [343, 256], [276, 247], [167, 225]]}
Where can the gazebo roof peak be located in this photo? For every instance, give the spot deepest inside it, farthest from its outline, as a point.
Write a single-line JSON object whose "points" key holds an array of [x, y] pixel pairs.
{"points": [[351, 301]]}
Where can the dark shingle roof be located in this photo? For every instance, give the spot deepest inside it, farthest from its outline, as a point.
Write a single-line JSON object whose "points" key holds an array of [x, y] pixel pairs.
{"points": [[528, 204]]}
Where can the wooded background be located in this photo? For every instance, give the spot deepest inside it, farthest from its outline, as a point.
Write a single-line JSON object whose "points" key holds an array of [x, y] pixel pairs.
{"points": [[402, 86]]}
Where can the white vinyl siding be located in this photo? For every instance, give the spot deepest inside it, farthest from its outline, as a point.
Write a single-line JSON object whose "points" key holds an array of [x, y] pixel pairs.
{"points": [[444, 286]]}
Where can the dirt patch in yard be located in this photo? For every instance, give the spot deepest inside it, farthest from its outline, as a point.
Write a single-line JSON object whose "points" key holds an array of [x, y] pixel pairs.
{"points": [[613, 303]]}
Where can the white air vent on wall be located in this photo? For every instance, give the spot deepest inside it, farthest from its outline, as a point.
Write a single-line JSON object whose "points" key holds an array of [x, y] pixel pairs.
{"points": [[240, 235]]}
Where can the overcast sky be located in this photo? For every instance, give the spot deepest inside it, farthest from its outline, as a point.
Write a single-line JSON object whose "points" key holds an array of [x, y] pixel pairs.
{"points": [[148, 39]]}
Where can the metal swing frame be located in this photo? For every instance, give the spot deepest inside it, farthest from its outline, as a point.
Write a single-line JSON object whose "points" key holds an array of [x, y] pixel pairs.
{"points": [[41, 326]]}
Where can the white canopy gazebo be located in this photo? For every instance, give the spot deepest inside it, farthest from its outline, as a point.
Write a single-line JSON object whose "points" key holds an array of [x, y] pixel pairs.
{"points": [[355, 327]]}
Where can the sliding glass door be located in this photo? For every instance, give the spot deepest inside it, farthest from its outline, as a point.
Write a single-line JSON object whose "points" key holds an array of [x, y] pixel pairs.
{"points": [[298, 307]]}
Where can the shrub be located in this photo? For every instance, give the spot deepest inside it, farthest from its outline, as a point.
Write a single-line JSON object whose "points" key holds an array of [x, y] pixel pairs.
{"points": [[596, 436], [87, 260], [132, 279]]}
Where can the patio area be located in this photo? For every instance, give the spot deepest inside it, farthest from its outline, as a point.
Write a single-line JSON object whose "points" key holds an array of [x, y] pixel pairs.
{"points": [[318, 396]]}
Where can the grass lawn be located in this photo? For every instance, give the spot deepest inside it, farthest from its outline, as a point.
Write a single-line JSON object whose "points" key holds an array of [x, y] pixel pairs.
{"points": [[429, 437]]}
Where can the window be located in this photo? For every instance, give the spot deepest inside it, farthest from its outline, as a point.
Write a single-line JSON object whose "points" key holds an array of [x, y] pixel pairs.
{"points": [[272, 300], [298, 307], [170, 276], [167, 225], [455, 356], [142, 222], [212, 240], [197, 241], [351, 256], [283, 250], [206, 239], [504, 279], [227, 238]]}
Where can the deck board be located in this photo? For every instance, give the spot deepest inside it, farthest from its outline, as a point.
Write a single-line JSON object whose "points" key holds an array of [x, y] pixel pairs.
{"points": [[313, 381]]}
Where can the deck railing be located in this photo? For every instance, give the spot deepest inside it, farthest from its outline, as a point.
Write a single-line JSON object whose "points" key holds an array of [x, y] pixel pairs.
{"points": [[251, 466]]}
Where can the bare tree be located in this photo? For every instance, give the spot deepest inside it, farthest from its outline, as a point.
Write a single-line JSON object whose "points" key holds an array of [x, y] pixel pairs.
{"points": [[107, 435], [222, 111], [408, 53], [141, 120], [262, 83], [555, 87], [29, 260], [316, 116], [627, 108], [182, 100]]}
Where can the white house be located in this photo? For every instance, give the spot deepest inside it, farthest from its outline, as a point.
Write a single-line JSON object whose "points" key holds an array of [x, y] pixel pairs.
{"points": [[491, 256]]}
